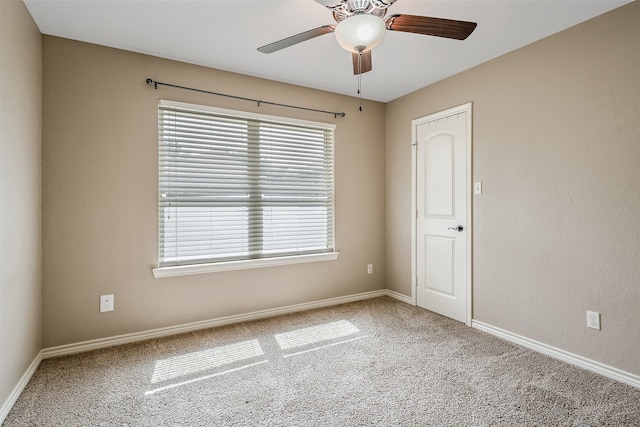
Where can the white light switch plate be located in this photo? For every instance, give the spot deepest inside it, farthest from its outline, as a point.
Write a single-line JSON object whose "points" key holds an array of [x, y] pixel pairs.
{"points": [[477, 187]]}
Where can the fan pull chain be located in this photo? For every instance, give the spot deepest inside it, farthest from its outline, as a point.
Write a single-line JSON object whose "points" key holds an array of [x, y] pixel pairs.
{"points": [[360, 79]]}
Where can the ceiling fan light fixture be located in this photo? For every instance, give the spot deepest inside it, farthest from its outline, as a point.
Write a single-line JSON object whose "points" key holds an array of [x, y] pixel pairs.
{"points": [[360, 33]]}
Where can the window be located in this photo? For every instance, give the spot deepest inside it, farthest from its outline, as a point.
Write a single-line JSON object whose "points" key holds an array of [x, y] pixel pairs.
{"points": [[238, 187]]}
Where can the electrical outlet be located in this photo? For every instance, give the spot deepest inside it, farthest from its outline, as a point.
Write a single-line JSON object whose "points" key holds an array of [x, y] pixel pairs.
{"points": [[369, 268], [106, 303], [593, 320]]}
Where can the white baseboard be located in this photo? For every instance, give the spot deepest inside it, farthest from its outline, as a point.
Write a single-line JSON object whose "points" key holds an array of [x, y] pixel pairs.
{"points": [[96, 344], [17, 390], [399, 297], [565, 356]]}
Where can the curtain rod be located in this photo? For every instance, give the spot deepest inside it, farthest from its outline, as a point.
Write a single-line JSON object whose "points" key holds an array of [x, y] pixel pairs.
{"points": [[258, 101]]}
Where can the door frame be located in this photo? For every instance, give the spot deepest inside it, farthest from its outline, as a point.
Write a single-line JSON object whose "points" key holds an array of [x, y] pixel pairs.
{"points": [[464, 108]]}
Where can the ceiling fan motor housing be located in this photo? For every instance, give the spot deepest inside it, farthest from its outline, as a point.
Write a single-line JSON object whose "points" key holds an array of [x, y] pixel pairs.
{"points": [[348, 8]]}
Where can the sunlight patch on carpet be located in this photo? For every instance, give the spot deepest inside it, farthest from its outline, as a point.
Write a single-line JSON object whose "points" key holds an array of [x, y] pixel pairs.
{"points": [[316, 334], [206, 377], [324, 346], [203, 360]]}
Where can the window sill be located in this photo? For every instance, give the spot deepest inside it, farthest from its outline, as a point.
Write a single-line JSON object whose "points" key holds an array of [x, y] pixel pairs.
{"points": [[184, 270]]}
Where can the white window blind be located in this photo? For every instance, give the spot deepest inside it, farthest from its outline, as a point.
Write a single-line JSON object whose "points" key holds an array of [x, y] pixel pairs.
{"points": [[234, 186]]}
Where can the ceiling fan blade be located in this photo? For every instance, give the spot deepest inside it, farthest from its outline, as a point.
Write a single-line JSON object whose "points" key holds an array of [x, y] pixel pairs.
{"points": [[439, 27], [298, 38], [363, 65]]}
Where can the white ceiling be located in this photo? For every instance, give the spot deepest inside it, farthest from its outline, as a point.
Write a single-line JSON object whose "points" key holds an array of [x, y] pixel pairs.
{"points": [[224, 34]]}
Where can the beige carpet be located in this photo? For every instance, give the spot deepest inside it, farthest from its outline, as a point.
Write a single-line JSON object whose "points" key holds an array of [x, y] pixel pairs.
{"points": [[372, 363]]}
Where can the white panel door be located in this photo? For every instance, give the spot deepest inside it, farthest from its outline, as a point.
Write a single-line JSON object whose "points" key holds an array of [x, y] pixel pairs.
{"points": [[442, 223]]}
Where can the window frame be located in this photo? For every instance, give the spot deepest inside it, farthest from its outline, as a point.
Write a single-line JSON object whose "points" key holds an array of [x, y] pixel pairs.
{"points": [[219, 266]]}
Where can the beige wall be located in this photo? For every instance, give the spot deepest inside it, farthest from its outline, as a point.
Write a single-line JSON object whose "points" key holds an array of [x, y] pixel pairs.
{"points": [[20, 191], [100, 196], [556, 143]]}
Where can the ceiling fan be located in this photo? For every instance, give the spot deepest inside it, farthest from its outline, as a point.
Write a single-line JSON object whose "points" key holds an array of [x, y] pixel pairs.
{"points": [[361, 26]]}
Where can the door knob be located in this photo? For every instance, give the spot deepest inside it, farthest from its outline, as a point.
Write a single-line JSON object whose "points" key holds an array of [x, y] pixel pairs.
{"points": [[458, 228]]}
